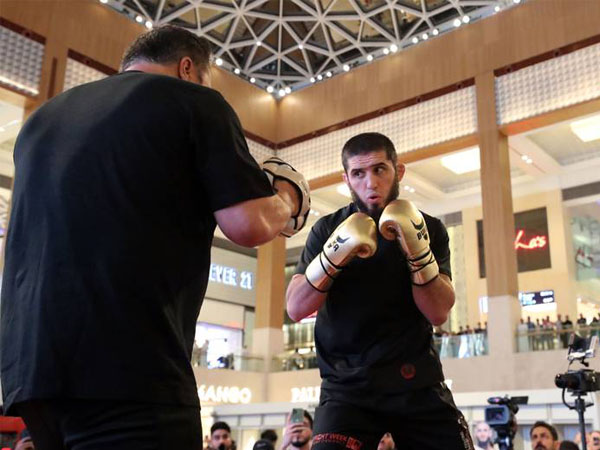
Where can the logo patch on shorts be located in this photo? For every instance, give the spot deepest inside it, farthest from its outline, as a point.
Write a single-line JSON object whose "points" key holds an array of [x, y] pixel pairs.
{"points": [[408, 371], [339, 439]]}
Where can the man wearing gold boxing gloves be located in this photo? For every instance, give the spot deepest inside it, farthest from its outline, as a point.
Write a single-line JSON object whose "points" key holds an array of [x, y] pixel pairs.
{"points": [[378, 273]]}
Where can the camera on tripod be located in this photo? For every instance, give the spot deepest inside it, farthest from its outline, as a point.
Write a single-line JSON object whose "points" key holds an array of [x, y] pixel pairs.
{"points": [[501, 416], [579, 382]]}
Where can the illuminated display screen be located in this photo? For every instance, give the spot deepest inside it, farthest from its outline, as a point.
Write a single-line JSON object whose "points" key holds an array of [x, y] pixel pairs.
{"points": [[531, 241], [536, 298]]}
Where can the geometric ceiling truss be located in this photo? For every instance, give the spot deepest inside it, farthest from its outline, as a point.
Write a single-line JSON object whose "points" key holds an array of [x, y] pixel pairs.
{"points": [[285, 45]]}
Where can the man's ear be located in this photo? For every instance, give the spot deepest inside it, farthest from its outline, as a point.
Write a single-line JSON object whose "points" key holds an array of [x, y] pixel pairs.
{"points": [[401, 170], [185, 68]]}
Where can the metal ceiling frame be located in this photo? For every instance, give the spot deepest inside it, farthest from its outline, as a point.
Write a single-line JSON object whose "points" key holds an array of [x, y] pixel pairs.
{"points": [[275, 69]]}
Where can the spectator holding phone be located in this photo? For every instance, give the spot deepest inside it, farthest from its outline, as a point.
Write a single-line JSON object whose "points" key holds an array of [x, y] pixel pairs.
{"points": [[298, 430]]}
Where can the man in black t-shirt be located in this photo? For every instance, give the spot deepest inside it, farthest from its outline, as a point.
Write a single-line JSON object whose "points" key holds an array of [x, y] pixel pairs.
{"points": [[378, 273], [119, 186]]}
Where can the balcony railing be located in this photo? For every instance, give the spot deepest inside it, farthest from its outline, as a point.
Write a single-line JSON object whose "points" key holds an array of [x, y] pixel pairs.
{"points": [[552, 339], [242, 363], [461, 346]]}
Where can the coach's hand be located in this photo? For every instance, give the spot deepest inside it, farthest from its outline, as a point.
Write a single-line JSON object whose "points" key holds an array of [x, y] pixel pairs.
{"points": [[280, 172], [402, 220], [355, 236]]}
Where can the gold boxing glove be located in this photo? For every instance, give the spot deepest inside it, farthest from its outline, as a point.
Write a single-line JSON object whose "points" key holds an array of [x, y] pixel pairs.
{"points": [[401, 220], [355, 236]]}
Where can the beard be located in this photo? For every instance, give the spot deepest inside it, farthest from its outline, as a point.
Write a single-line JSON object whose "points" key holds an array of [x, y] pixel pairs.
{"points": [[373, 210], [484, 444], [299, 444]]}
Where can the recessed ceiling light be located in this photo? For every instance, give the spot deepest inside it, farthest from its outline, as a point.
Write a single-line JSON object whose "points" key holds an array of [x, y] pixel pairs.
{"points": [[587, 129], [466, 19], [497, 8], [270, 89], [529, 161], [516, 1], [346, 67], [393, 48], [148, 24], [435, 31], [369, 57], [252, 80], [282, 92], [407, 188], [139, 19], [412, 190], [343, 190], [104, 2], [457, 22], [462, 162], [288, 90], [415, 40], [386, 51], [319, 77], [219, 62], [237, 71], [424, 36], [524, 157], [312, 79], [329, 74]]}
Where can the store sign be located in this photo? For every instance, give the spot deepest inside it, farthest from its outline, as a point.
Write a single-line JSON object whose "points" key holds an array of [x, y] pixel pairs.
{"points": [[224, 394], [306, 394], [531, 242], [536, 298], [231, 277]]}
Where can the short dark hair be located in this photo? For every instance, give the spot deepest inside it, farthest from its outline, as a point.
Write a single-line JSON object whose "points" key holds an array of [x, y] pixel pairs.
{"points": [[309, 418], [269, 435], [167, 44], [367, 143], [550, 428], [220, 426]]}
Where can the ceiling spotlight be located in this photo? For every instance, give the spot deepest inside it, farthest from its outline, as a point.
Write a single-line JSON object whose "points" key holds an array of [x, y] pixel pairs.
{"points": [[497, 8], [386, 51], [288, 90], [524, 157], [148, 24], [529, 161], [270, 89], [346, 67], [237, 71], [517, 1], [219, 62], [415, 40], [258, 43], [312, 79], [139, 19], [329, 74], [282, 92], [435, 31], [252, 80], [369, 57], [456, 22], [466, 19], [407, 188], [411, 190], [104, 2], [393, 48], [424, 36], [300, 46], [319, 77]]}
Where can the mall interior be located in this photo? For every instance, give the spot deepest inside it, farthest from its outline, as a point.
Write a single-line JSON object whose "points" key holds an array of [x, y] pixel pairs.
{"points": [[494, 108]]}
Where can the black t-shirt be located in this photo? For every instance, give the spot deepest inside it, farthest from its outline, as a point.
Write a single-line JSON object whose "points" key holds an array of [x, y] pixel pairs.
{"points": [[108, 248], [369, 334]]}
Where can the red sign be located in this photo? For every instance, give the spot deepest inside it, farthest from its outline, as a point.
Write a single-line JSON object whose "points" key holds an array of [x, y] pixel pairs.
{"points": [[529, 244]]}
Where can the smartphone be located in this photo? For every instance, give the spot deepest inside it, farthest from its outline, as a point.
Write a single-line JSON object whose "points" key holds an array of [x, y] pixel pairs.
{"points": [[297, 415]]}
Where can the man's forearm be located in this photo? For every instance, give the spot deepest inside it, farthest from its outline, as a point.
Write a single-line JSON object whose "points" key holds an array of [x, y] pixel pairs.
{"points": [[302, 298], [435, 299]]}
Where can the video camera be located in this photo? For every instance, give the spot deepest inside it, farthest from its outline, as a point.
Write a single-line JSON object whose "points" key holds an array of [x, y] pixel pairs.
{"points": [[501, 416]]}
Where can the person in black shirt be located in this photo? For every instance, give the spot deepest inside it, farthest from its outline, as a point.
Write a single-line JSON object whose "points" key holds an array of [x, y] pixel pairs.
{"points": [[119, 186], [378, 273]]}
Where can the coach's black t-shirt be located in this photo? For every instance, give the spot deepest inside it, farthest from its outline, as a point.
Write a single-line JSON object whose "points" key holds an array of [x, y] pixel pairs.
{"points": [[370, 335], [108, 248]]}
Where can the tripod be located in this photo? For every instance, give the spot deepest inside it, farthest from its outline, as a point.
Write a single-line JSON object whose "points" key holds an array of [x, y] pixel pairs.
{"points": [[580, 405]]}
